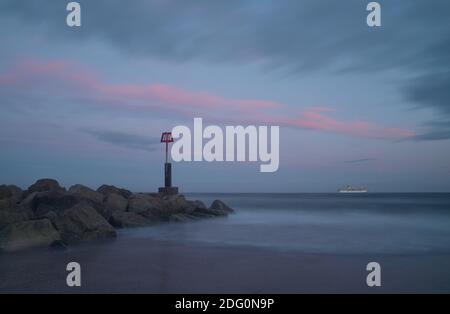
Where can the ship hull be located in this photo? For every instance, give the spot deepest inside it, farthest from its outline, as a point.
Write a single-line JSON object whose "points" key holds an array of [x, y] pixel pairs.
{"points": [[343, 191]]}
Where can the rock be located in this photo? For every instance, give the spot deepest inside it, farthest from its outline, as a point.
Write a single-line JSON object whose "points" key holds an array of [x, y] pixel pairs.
{"points": [[221, 206], [144, 204], [122, 219], [10, 192], [28, 202], [112, 203], [43, 185], [10, 195], [51, 215], [55, 200], [175, 203], [182, 217], [115, 202], [172, 208], [27, 205], [111, 189], [11, 210], [28, 234], [218, 208], [178, 204], [7, 204], [81, 223], [104, 211], [138, 204], [8, 217], [47, 215], [84, 193], [199, 204]]}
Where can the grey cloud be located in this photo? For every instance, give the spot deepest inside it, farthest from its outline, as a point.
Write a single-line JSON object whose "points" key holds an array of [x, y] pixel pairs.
{"points": [[291, 35], [437, 130], [434, 135], [295, 34], [432, 90], [127, 140]]}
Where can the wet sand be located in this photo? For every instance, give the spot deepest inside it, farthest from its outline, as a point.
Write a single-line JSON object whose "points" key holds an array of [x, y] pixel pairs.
{"points": [[133, 265]]}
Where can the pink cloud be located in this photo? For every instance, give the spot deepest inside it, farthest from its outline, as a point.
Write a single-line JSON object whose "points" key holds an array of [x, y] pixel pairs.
{"points": [[165, 97], [147, 94], [179, 97], [316, 120], [313, 118]]}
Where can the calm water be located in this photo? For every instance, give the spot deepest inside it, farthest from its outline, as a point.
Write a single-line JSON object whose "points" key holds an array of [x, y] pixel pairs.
{"points": [[371, 223], [273, 243]]}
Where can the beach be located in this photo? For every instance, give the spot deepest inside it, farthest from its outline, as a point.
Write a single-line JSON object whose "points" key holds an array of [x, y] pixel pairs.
{"points": [[158, 267]]}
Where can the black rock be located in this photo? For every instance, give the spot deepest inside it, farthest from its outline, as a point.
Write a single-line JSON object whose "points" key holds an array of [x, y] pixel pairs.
{"points": [[28, 234], [84, 193], [121, 219], [108, 189], [54, 200], [43, 185], [116, 202], [9, 217], [219, 205], [10, 192], [82, 223]]}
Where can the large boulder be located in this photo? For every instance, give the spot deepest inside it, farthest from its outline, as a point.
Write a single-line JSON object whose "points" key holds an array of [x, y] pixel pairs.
{"points": [[221, 206], [84, 193], [8, 217], [173, 207], [81, 223], [112, 203], [178, 204], [57, 201], [104, 211], [28, 234], [43, 185], [29, 201], [10, 195], [12, 211], [217, 208], [115, 202], [28, 205], [199, 204], [10, 192], [120, 219], [111, 189], [7, 204], [144, 204]]}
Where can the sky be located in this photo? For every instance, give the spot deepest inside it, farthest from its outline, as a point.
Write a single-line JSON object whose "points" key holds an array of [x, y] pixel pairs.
{"points": [[356, 105]]}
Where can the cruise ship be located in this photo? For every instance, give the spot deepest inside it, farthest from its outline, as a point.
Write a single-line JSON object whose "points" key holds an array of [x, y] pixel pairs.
{"points": [[350, 189]]}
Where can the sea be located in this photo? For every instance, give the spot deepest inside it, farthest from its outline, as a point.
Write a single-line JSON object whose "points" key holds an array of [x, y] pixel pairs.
{"points": [[363, 223], [272, 243]]}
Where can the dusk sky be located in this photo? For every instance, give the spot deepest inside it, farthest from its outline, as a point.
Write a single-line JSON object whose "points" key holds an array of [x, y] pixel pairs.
{"points": [[355, 105]]}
